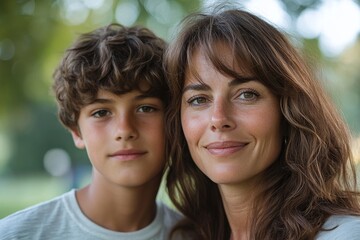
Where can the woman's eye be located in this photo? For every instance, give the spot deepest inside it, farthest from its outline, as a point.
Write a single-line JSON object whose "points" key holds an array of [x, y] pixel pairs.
{"points": [[146, 109], [101, 113], [248, 95], [197, 101]]}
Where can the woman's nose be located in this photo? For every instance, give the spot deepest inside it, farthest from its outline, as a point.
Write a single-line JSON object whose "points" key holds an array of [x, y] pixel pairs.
{"points": [[221, 116]]}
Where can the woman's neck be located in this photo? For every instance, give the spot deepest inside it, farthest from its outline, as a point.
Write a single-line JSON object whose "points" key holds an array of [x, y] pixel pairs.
{"points": [[238, 203]]}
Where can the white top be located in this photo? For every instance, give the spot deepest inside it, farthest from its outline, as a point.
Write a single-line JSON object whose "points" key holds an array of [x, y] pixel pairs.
{"points": [[61, 218], [345, 227]]}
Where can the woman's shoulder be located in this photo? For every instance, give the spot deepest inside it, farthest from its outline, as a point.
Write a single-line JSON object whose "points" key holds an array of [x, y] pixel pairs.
{"points": [[340, 227]]}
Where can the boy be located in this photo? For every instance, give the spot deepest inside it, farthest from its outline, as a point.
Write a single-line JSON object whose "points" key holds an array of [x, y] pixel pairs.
{"points": [[111, 95]]}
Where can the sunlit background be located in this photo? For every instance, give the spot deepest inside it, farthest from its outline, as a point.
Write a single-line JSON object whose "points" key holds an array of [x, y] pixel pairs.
{"points": [[37, 157]]}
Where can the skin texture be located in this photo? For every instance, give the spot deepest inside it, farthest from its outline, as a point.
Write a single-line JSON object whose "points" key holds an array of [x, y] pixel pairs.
{"points": [[118, 132], [233, 129], [111, 91], [246, 188], [124, 139]]}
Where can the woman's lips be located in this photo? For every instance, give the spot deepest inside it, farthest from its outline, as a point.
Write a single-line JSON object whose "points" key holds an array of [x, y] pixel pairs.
{"points": [[225, 148]]}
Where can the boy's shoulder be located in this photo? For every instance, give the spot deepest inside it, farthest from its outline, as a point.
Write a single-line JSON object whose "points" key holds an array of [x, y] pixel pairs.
{"points": [[163, 223], [29, 221], [341, 227], [170, 216], [61, 218]]}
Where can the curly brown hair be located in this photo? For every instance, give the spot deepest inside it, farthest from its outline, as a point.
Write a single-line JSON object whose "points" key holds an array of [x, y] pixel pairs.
{"points": [[314, 176], [114, 58]]}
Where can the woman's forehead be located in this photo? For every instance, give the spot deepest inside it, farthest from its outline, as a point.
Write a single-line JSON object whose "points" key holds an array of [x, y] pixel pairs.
{"points": [[220, 56]]}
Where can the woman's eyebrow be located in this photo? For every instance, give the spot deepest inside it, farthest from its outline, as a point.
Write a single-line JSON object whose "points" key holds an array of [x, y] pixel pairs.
{"points": [[240, 80], [199, 86], [196, 87]]}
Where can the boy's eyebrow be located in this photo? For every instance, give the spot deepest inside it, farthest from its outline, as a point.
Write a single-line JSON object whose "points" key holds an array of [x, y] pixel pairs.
{"points": [[109, 100], [145, 95], [101, 100]]}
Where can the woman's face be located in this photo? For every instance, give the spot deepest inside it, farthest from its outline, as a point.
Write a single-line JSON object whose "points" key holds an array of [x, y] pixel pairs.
{"points": [[233, 128]]}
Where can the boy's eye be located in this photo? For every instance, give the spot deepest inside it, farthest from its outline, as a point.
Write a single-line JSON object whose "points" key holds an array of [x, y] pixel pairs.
{"points": [[146, 109], [101, 113]]}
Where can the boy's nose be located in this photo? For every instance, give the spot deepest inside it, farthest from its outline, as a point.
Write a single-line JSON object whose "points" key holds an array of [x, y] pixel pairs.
{"points": [[125, 129]]}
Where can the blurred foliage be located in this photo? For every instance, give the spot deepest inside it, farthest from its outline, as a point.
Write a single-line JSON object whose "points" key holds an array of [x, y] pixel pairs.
{"points": [[35, 33], [33, 38]]}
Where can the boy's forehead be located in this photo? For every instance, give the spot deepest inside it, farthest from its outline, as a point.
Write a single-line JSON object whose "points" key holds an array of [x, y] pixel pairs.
{"points": [[144, 86], [123, 87], [104, 92], [141, 89], [135, 93]]}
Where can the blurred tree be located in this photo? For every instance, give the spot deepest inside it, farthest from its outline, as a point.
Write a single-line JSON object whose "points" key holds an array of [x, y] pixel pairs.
{"points": [[35, 33], [23, 35], [34, 137], [294, 7], [33, 37]]}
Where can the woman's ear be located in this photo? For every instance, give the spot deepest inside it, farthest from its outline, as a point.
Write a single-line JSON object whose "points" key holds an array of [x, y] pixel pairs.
{"points": [[76, 135]]}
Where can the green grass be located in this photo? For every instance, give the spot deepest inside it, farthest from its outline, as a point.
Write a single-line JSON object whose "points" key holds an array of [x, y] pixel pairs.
{"points": [[18, 192]]}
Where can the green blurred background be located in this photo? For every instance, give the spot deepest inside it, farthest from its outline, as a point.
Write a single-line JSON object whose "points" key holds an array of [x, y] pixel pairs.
{"points": [[37, 157]]}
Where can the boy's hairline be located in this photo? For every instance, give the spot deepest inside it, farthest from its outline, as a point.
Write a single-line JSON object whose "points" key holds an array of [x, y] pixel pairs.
{"points": [[155, 90]]}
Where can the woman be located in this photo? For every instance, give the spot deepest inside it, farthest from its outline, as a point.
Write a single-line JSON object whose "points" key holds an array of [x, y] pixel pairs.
{"points": [[258, 151]]}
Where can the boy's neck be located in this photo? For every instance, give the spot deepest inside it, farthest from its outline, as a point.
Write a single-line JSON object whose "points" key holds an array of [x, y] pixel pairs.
{"points": [[118, 208]]}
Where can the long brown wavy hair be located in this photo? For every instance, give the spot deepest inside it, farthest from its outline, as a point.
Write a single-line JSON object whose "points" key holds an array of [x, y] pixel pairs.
{"points": [[314, 176]]}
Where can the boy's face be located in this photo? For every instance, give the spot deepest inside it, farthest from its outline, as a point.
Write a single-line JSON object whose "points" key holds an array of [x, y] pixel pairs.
{"points": [[124, 137]]}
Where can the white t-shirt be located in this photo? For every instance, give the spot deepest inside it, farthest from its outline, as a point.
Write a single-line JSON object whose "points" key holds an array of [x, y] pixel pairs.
{"points": [[341, 227], [61, 218]]}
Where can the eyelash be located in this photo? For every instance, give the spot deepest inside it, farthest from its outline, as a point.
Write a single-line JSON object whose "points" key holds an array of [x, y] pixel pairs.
{"points": [[100, 113], [103, 112], [255, 93], [251, 91], [191, 100], [152, 109]]}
